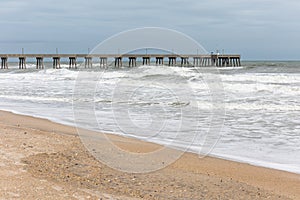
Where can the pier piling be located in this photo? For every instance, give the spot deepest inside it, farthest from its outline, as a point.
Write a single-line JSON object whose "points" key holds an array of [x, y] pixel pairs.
{"points": [[56, 63], [103, 62], [88, 62], [146, 60], [4, 64], [172, 61], [197, 61], [184, 61], [22, 62], [159, 60], [132, 61], [118, 62], [72, 63], [39, 63]]}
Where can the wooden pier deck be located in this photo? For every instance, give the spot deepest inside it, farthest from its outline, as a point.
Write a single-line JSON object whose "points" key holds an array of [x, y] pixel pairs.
{"points": [[229, 60]]}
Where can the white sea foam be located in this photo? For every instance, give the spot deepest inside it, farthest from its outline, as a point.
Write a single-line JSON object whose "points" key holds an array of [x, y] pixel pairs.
{"points": [[262, 109]]}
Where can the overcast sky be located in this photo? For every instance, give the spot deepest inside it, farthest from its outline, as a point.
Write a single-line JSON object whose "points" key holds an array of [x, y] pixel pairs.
{"points": [[257, 29]]}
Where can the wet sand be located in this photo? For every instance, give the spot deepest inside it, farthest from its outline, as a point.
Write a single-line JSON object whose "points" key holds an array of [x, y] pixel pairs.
{"points": [[40, 159]]}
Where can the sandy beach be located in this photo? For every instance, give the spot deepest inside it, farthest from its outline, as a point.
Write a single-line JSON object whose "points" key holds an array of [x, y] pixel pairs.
{"points": [[40, 159]]}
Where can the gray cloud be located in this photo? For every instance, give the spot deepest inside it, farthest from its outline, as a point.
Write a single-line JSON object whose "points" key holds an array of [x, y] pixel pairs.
{"points": [[250, 27]]}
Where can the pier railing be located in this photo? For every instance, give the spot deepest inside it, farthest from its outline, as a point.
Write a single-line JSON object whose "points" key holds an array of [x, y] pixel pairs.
{"points": [[229, 60]]}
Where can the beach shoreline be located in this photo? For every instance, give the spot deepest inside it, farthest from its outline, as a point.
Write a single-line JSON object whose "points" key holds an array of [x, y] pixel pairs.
{"points": [[51, 156]]}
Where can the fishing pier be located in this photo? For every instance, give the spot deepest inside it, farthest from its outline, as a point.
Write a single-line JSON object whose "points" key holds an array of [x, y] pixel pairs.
{"points": [[129, 60]]}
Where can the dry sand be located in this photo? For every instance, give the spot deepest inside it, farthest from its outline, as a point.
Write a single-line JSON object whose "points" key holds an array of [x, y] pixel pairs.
{"points": [[40, 159]]}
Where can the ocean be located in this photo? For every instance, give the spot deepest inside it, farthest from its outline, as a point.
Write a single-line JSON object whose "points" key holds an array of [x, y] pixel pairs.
{"points": [[256, 119]]}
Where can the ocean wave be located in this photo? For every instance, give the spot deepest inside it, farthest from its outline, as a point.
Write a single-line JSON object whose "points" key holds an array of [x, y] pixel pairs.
{"points": [[262, 109]]}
